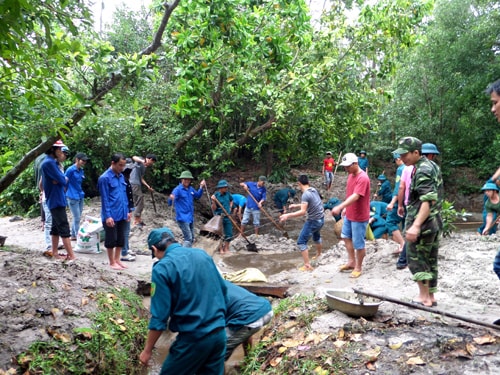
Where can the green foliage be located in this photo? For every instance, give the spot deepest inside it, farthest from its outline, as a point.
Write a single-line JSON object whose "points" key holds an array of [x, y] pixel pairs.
{"points": [[449, 216], [439, 87], [22, 198], [111, 346]]}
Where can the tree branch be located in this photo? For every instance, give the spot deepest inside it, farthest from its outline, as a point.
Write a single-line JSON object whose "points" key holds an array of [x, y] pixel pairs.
{"points": [[99, 93]]}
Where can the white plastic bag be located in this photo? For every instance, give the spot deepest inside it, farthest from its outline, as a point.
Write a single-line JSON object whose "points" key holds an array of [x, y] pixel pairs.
{"points": [[88, 236]]}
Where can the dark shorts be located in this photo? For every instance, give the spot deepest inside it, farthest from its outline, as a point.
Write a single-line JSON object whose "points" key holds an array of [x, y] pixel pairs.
{"points": [[115, 236], [60, 224]]}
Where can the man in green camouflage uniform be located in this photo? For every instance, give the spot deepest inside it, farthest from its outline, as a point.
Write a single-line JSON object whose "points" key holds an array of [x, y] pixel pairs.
{"points": [[423, 225]]}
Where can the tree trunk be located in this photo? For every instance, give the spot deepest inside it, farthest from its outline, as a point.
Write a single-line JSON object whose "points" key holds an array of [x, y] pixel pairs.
{"points": [[98, 94]]}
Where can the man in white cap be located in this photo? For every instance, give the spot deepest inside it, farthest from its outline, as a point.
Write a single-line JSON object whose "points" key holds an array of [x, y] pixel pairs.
{"points": [[356, 214]]}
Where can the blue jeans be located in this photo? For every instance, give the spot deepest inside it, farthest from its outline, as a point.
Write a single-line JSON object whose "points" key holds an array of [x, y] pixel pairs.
{"points": [[496, 264], [76, 208], [255, 216], [127, 235], [187, 232], [310, 228], [48, 226], [402, 258], [328, 177]]}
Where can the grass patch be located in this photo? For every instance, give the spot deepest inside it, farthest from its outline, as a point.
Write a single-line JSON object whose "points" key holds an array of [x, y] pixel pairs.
{"points": [[289, 346], [111, 346]]}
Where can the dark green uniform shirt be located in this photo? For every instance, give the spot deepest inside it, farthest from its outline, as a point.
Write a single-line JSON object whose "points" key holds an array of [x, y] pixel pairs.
{"points": [[426, 186]]}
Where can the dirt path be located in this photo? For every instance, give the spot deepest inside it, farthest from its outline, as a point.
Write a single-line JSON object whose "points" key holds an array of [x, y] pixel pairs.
{"points": [[467, 284]]}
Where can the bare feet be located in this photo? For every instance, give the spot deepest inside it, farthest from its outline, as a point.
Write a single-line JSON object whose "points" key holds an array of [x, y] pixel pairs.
{"points": [[116, 266], [123, 266]]}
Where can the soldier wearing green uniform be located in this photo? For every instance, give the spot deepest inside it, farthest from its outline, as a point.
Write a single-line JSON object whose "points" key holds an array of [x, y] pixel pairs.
{"points": [[423, 225]]}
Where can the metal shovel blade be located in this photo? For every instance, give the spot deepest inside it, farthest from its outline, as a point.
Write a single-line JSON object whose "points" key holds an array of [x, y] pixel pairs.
{"points": [[252, 247]]}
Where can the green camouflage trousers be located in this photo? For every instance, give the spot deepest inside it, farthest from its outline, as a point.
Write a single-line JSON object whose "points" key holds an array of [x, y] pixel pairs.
{"points": [[422, 259]]}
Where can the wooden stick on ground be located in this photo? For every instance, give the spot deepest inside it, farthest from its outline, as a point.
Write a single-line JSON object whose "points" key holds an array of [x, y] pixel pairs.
{"points": [[425, 308]]}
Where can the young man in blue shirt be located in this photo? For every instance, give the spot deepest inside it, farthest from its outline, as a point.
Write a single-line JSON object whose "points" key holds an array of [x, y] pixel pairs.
{"points": [[54, 185], [258, 191], [114, 209], [75, 193], [183, 197]]}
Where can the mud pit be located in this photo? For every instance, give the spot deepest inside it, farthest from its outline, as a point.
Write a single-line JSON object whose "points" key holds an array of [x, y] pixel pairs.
{"points": [[467, 287]]}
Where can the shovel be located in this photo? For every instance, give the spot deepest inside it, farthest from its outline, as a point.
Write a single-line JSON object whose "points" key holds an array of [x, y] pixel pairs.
{"points": [[153, 200], [285, 233], [336, 166], [250, 246]]}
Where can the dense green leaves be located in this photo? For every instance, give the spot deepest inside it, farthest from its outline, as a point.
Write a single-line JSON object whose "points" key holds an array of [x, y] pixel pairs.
{"points": [[439, 88], [244, 79]]}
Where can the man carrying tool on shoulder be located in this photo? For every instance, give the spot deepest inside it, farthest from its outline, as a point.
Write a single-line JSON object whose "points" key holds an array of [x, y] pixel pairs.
{"points": [[258, 191]]}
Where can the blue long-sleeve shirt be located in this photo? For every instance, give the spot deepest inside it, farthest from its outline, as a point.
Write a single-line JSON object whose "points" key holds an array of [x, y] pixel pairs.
{"points": [[54, 183], [184, 202], [259, 193], [114, 201], [75, 178], [188, 289]]}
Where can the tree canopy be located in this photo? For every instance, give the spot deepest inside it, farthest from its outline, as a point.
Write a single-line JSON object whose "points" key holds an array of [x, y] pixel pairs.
{"points": [[205, 83]]}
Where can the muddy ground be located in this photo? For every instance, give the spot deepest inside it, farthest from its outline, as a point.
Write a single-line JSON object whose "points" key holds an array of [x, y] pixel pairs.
{"points": [[407, 340]]}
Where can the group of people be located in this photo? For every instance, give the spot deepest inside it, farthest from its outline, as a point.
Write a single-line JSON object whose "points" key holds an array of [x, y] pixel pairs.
{"points": [[121, 195]]}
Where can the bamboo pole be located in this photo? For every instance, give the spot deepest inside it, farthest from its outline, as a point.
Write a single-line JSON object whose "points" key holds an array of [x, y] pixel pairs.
{"points": [[428, 309]]}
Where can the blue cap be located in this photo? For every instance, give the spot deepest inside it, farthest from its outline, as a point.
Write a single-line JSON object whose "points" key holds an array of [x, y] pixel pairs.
{"points": [[429, 148], [156, 235], [490, 186], [362, 152], [395, 155], [382, 177]]}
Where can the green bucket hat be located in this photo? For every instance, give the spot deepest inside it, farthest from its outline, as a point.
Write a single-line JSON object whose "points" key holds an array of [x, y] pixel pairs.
{"points": [[222, 184], [186, 174], [408, 144], [156, 235]]}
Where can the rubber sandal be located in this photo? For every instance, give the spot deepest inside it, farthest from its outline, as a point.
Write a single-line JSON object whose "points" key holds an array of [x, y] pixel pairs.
{"points": [[345, 268], [355, 274], [304, 268], [47, 253], [421, 304]]}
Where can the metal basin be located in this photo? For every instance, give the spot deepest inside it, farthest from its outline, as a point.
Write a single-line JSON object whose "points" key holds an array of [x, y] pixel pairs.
{"points": [[352, 304]]}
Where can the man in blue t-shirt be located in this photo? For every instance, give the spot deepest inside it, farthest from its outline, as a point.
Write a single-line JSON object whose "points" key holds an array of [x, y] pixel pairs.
{"points": [[256, 197]]}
